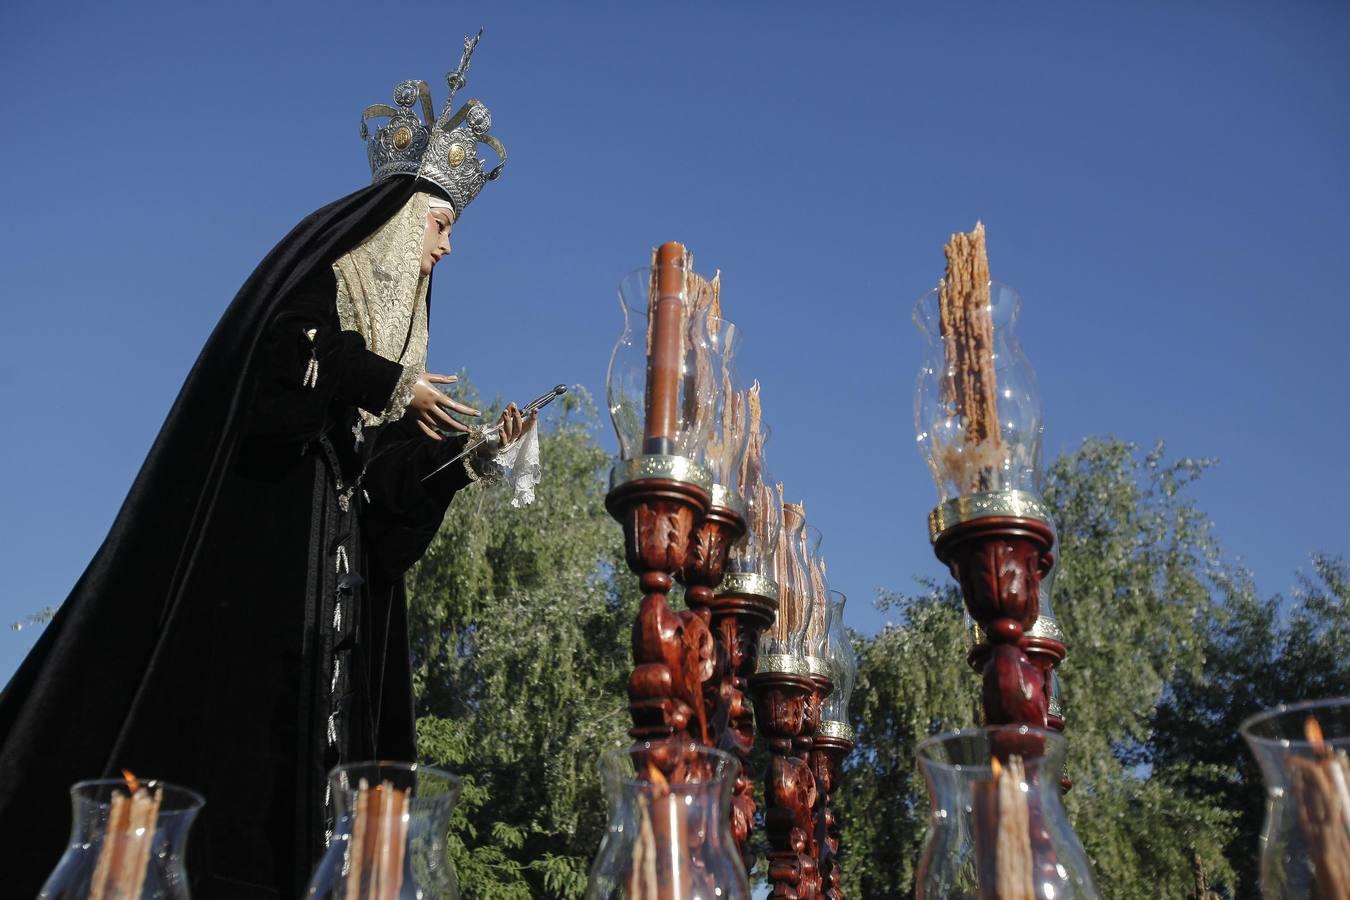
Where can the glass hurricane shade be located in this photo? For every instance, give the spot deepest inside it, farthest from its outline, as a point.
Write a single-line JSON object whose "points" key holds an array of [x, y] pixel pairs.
{"points": [[1010, 458], [660, 385], [1305, 842], [843, 664], [816, 641], [389, 838], [787, 635], [728, 433], [1004, 834], [125, 845], [668, 839], [755, 551]]}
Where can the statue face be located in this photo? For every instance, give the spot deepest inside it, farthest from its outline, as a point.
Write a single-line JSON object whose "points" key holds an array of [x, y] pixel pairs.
{"points": [[436, 237]]}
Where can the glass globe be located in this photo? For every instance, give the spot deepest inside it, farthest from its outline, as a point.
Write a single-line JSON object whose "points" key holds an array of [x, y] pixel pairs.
{"points": [[660, 385], [948, 402]]}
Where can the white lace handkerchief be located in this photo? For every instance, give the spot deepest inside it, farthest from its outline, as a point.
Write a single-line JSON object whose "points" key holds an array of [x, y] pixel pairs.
{"points": [[521, 463]]}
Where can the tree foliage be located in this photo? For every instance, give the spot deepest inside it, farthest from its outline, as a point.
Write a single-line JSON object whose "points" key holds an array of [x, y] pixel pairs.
{"points": [[520, 643]]}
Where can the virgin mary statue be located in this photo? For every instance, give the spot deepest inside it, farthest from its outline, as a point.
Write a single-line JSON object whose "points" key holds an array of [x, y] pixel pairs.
{"points": [[243, 628]]}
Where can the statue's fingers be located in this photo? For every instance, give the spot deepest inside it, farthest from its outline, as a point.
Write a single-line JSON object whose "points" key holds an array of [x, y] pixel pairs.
{"points": [[428, 431]]}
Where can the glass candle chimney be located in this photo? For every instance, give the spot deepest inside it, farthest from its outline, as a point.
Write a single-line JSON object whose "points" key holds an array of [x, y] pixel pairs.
{"points": [[754, 552], [1304, 753], [669, 838], [390, 839], [997, 827], [660, 385], [843, 664], [977, 408], [786, 636], [125, 841]]}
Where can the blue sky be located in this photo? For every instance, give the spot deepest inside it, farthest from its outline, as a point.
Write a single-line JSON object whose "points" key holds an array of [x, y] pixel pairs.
{"points": [[1166, 185]]}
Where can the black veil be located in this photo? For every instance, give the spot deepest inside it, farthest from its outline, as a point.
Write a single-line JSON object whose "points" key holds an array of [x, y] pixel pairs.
{"points": [[63, 714]]}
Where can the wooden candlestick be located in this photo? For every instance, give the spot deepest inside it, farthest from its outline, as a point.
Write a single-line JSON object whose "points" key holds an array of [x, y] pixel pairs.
{"points": [[804, 747], [781, 699], [832, 745], [742, 608], [999, 561], [659, 500]]}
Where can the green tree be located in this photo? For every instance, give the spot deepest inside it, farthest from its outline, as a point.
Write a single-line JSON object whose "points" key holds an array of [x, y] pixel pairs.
{"points": [[520, 640], [1259, 654], [913, 682]]}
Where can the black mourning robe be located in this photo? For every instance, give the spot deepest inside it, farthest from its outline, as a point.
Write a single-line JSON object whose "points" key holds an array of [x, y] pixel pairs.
{"points": [[243, 627]]}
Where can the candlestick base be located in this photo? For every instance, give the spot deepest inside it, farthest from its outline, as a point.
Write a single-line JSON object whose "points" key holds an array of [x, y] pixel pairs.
{"points": [[833, 743], [999, 561], [742, 608], [659, 500], [781, 699]]}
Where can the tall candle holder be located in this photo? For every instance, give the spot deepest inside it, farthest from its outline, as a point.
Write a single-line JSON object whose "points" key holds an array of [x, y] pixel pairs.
{"points": [[743, 607], [725, 521], [782, 688], [832, 743], [978, 422], [816, 647], [658, 492]]}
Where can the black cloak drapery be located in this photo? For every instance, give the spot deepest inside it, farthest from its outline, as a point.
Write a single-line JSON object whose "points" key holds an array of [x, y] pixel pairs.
{"points": [[240, 631]]}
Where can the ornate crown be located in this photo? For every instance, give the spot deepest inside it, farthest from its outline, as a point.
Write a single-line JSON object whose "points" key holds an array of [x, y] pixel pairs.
{"points": [[444, 149]]}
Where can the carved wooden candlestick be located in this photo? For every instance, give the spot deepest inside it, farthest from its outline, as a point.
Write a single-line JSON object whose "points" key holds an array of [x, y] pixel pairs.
{"points": [[743, 607], [833, 743], [805, 747], [1044, 646], [782, 688], [659, 500], [998, 546], [723, 704]]}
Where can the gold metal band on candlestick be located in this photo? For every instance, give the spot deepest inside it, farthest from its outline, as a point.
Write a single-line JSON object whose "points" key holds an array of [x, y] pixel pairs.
{"points": [[988, 504], [840, 730], [728, 499], [819, 667], [1044, 627], [666, 467], [748, 584], [785, 663]]}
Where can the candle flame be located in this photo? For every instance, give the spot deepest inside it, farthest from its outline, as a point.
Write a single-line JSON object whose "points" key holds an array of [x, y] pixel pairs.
{"points": [[133, 783], [997, 767], [1313, 732]]}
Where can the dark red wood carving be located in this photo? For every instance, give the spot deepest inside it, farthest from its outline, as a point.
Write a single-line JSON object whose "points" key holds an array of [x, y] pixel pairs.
{"points": [[827, 762], [805, 747], [736, 623], [999, 562], [673, 652], [737, 620], [781, 701], [710, 541]]}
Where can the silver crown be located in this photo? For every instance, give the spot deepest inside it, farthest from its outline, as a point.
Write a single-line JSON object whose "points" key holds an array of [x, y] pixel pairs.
{"points": [[442, 150]]}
